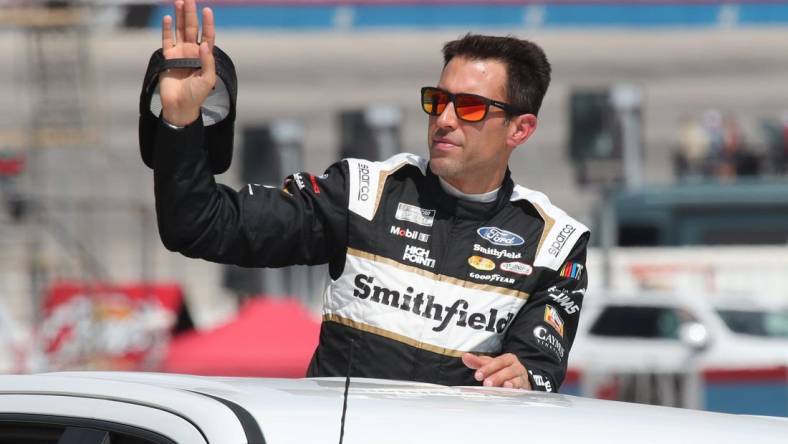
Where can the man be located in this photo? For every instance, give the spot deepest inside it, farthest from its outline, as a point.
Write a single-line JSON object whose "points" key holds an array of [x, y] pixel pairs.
{"points": [[442, 271]]}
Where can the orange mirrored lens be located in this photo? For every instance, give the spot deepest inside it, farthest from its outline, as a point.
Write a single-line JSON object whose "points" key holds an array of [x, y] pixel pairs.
{"points": [[470, 108], [434, 101]]}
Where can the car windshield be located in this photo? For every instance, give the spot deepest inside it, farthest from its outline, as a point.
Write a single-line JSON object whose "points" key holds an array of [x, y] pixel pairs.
{"points": [[756, 323]]}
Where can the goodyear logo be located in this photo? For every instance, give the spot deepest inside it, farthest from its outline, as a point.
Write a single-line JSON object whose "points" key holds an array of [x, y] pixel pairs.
{"points": [[481, 263], [499, 236]]}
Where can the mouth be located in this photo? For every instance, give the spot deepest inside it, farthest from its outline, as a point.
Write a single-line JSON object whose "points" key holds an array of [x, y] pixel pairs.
{"points": [[443, 144]]}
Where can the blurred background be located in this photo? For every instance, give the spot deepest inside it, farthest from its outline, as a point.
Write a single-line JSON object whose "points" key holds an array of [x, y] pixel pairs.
{"points": [[665, 129]]}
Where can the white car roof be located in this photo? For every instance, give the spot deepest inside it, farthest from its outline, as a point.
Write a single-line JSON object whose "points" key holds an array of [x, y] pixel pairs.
{"points": [[380, 411]]}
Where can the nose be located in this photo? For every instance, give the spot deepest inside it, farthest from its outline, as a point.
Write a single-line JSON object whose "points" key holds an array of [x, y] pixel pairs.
{"points": [[448, 118]]}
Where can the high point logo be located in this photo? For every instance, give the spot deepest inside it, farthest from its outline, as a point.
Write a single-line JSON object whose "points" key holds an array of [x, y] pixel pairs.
{"points": [[424, 305], [418, 255], [499, 236]]}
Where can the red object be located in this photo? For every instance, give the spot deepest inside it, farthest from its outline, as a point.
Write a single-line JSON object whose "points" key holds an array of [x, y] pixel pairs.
{"points": [[765, 375], [269, 337], [11, 165], [107, 326]]}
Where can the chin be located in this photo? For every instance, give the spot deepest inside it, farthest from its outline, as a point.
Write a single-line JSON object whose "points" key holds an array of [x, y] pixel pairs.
{"points": [[442, 166]]}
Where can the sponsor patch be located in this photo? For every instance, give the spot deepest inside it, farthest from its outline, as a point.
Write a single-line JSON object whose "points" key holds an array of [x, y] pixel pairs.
{"points": [[551, 317], [299, 181], [410, 234], [315, 187], [492, 278], [481, 263], [498, 254], [363, 185], [412, 213], [563, 298], [418, 255], [541, 381], [499, 236], [558, 244], [549, 341], [422, 304], [517, 267], [571, 270]]}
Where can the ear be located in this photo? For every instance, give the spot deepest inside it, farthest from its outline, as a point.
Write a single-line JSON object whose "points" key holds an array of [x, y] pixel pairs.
{"points": [[520, 129]]}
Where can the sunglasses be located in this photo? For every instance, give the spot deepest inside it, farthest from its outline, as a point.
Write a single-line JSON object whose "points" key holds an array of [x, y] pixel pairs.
{"points": [[468, 107]]}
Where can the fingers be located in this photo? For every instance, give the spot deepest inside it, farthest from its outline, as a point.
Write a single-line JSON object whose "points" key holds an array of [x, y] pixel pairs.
{"points": [[519, 382], [503, 371], [474, 361], [208, 71], [166, 33], [191, 24], [179, 21], [208, 28]]}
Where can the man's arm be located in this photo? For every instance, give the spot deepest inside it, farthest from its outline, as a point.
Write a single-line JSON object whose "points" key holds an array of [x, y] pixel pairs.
{"points": [[303, 223], [537, 343]]}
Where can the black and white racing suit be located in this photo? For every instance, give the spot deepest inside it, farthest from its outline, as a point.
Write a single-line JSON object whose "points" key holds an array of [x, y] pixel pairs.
{"points": [[418, 277]]}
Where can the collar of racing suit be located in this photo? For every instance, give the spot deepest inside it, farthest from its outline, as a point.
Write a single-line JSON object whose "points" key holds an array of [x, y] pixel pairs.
{"points": [[466, 209]]}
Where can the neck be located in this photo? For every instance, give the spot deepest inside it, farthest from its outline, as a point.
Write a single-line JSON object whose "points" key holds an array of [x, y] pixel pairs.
{"points": [[478, 185]]}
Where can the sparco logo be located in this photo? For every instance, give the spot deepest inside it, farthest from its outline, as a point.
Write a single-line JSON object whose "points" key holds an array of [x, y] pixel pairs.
{"points": [[560, 240], [496, 252], [424, 305], [363, 189], [410, 234], [418, 255], [549, 341], [498, 236]]}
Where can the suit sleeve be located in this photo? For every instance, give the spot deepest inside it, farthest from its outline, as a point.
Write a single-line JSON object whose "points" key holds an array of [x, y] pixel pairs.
{"points": [[542, 333], [305, 222]]}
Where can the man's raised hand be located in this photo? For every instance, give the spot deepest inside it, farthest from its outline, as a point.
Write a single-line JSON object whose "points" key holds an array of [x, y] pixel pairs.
{"points": [[501, 371], [183, 91]]}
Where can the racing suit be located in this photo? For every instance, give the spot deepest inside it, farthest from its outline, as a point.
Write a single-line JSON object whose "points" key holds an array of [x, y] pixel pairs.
{"points": [[418, 277]]}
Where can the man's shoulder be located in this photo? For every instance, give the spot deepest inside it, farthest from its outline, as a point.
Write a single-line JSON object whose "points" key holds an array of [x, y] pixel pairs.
{"points": [[561, 231], [390, 165], [368, 177]]}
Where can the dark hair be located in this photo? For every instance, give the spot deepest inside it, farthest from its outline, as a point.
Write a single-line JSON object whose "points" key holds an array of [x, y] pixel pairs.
{"points": [[527, 68]]}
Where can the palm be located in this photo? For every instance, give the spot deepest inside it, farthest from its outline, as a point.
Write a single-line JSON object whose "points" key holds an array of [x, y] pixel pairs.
{"points": [[184, 90]]}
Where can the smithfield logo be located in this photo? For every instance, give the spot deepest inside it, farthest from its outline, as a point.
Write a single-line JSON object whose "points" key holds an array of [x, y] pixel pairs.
{"points": [[363, 189], [498, 236], [517, 267], [424, 305], [412, 213], [496, 252], [561, 239], [481, 263]]}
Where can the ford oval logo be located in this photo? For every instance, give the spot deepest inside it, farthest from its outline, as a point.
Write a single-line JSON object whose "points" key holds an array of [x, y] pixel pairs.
{"points": [[497, 236]]}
